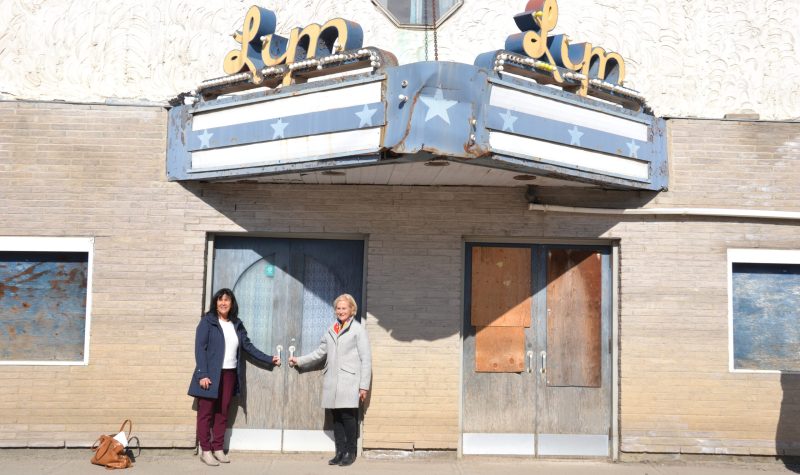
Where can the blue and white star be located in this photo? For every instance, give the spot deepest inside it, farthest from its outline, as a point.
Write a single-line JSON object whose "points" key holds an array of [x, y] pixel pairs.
{"points": [[575, 136], [205, 137], [632, 148], [278, 128], [508, 120], [365, 115], [437, 106]]}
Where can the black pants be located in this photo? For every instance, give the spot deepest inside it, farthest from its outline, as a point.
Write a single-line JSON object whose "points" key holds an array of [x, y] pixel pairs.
{"points": [[345, 429]]}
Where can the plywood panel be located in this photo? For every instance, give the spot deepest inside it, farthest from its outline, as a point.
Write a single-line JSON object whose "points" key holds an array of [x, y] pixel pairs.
{"points": [[573, 318], [501, 287], [500, 349]]}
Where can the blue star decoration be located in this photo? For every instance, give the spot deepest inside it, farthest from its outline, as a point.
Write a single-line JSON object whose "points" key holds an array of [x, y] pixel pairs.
{"points": [[632, 148], [365, 116], [205, 137], [437, 106], [508, 120], [575, 136], [278, 128]]}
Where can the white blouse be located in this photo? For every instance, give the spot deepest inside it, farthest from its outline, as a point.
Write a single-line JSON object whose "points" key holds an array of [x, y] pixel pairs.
{"points": [[231, 345]]}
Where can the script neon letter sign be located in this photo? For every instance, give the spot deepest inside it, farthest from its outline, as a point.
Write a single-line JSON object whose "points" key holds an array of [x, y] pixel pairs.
{"points": [[262, 47], [590, 61]]}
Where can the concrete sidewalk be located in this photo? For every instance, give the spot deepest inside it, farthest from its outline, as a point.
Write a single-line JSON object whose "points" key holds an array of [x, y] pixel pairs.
{"points": [[178, 462]]}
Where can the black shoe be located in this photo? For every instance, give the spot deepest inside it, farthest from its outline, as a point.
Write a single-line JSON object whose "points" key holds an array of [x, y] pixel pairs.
{"points": [[335, 460], [347, 459]]}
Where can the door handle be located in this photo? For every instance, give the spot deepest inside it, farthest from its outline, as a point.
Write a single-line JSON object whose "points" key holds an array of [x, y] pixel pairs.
{"points": [[279, 350], [291, 351], [530, 360], [544, 362]]}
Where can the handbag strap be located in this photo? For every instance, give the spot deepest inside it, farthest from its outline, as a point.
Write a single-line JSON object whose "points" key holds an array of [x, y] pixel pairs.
{"points": [[130, 427], [138, 445]]}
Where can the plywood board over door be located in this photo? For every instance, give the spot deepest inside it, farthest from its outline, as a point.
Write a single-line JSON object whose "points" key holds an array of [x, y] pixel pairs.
{"points": [[501, 287]]}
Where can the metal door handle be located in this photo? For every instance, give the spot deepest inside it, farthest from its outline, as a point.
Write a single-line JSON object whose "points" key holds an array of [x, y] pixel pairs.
{"points": [[291, 351], [544, 362], [279, 349], [530, 361]]}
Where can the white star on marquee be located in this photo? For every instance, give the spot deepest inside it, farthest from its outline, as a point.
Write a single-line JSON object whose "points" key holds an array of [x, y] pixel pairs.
{"points": [[278, 128], [632, 148], [508, 120], [437, 106], [366, 116], [205, 137], [575, 136]]}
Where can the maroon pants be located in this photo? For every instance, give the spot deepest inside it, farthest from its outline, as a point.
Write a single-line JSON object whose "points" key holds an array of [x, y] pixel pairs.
{"points": [[212, 414]]}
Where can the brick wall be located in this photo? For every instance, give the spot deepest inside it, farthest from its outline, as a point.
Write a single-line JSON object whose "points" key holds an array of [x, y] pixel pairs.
{"points": [[70, 170]]}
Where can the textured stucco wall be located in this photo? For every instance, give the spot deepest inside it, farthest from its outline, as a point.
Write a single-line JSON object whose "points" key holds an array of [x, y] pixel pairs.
{"points": [[699, 58]]}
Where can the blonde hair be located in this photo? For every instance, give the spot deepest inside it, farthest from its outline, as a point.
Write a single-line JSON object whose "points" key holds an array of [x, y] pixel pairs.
{"points": [[350, 300]]}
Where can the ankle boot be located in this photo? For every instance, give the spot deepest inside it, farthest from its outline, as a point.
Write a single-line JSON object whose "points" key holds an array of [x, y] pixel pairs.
{"points": [[348, 458], [337, 458]]}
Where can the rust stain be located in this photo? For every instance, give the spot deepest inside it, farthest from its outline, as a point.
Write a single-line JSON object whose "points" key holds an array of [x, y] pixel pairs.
{"points": [[10, 288], [12, 332]]}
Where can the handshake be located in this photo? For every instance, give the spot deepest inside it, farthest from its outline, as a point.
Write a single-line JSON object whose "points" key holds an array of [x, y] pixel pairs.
{"points": [[276, 360]]}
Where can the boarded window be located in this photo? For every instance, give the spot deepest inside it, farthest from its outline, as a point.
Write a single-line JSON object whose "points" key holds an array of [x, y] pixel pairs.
{"points": [[43, 306], [500, 307], [573, 317], [765, 307]]}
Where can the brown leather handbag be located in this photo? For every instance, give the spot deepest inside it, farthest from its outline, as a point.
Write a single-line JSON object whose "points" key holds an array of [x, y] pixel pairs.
{"points": [[110, 452]]}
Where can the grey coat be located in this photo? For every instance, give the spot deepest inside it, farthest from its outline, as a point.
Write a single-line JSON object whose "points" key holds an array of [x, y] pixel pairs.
{"points": [[348, 365]]}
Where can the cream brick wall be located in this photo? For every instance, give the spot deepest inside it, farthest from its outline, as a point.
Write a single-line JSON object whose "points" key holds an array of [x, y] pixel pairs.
{"points": [[70, 170]]}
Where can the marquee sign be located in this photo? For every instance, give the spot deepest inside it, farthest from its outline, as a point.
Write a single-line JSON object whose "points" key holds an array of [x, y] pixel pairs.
{"points": [[425, 123]]}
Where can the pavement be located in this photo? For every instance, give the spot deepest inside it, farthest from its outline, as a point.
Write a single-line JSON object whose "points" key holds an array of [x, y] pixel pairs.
{"points": [[178, 462]]}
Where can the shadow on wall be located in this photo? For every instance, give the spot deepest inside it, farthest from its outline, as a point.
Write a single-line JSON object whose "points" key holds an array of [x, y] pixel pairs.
{"points": [[322, 209], [787, 436]]}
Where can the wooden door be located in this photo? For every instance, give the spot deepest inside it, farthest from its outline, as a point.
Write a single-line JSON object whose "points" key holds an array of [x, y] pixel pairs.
{"points": [[285, 290], [323, 270], [573, 308], [499, 391], [257, 271], [537, 366]]}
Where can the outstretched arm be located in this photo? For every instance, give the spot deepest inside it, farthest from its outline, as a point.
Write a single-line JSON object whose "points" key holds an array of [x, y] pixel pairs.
{"points": [[251, 350], [314, 357]]}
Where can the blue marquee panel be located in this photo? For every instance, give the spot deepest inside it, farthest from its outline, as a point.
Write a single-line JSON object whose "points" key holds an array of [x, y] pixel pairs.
{"points": [[431, 109], [289, 126]]}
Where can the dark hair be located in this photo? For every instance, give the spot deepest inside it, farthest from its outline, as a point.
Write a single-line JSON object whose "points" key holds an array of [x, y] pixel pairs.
{"points": [[234, 312]]}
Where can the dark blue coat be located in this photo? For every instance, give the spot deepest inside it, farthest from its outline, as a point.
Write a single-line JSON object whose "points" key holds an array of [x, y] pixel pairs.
{"points": [[209, 352]]}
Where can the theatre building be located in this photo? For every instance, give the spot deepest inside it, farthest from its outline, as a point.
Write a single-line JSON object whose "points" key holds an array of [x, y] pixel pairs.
{"points": [[564, 242]]}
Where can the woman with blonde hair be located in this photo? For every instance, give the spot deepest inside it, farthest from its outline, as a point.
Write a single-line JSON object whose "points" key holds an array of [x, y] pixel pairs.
{"points": [[345, 350]]}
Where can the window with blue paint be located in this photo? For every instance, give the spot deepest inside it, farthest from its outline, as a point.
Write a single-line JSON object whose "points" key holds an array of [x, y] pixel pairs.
{"points": [[43, 306], [765, 316], [418, 13]]}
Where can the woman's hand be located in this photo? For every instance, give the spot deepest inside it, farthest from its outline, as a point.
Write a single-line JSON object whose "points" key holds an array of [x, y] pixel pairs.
{"points": [[362, 395], [292, 361], [205, 383], [276, 360]]}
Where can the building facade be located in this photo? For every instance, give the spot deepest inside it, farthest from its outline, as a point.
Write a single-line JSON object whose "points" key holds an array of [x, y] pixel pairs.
{"points": [[548, 307]]}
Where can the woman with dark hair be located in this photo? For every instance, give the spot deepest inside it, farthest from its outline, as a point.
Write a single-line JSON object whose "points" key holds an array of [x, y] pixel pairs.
{"points": [[219, 344]]}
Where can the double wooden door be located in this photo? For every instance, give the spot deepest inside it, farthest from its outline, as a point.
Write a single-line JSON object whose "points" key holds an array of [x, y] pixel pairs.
{"points": [[537, 359], [285, 290]]}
